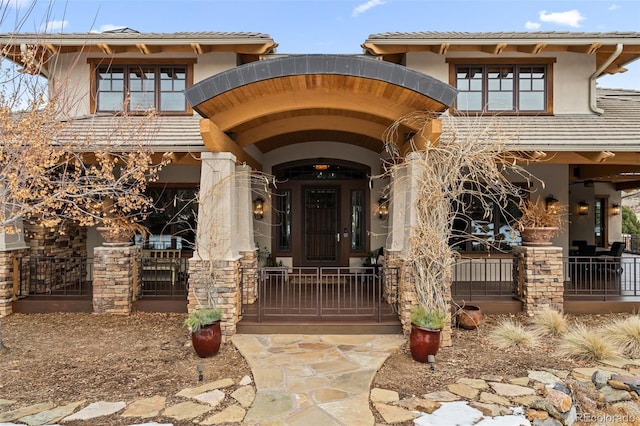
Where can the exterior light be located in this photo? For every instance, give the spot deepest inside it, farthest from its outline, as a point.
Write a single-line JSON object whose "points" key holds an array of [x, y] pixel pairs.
{"points": [[321, 167], [383, 208], [258, 208], [583, 208], [615, 209], [551, 203]]}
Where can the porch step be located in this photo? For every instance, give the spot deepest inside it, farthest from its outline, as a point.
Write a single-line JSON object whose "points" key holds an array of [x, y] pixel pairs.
{"points": [[327, 327], [48, 304]]}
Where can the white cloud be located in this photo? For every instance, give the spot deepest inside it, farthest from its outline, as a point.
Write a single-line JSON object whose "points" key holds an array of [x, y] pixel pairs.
{"points": [[17, 4], [366, 6], [107, 27], [53, 26], [571, 18], [532, 25], [614, 7]]}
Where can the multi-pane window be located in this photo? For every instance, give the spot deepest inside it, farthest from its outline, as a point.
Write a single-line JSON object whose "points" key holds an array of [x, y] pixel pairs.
{"points": [[175, 214], [141, 87], [501, 88], [485, 226]]}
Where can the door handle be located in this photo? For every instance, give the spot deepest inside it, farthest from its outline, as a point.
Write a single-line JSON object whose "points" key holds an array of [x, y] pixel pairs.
{"points": [[337, 237]]}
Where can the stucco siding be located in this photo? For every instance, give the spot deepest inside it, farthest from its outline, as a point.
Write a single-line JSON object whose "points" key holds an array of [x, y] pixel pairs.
{"points": [[571, 72]]}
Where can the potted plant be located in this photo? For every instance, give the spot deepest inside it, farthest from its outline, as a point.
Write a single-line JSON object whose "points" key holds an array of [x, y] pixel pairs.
{"points": [[426, 325], [539, 223], [119, 231], [204, 325]]}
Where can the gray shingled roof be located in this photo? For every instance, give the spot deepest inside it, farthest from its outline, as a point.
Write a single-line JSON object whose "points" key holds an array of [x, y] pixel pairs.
{"points": [[171, 133], [618, 129], [75, 38], [534, 35]]}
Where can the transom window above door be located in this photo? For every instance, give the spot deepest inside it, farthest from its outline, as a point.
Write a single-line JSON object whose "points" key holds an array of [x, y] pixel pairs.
{"points": [[503, 88]]}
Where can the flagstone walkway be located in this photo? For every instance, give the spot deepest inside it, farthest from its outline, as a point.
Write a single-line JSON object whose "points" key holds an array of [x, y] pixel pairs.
{"points": [[326, 380], [314, 380]]}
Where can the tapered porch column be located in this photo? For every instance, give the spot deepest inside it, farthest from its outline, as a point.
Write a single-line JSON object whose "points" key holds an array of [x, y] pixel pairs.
{"points": [[245, 241], [215, 265], [404, 220]]}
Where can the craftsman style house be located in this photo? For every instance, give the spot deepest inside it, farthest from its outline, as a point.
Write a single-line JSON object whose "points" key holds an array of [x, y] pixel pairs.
{"points": [[229, 106]]}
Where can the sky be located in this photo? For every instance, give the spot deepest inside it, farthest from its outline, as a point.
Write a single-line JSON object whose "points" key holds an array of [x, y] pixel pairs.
{"points": [[331, 26]]}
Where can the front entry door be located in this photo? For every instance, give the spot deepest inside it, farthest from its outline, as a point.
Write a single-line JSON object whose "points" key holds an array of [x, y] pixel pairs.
{"points": [[321, 245]]}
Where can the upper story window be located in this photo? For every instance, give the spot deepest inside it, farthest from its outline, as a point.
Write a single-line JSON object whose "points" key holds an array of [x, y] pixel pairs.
{"points": [[141, 87], [503, 88]]}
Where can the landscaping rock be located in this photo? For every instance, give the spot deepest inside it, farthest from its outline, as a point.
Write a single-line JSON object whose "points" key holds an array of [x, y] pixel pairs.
{"points": [[462, 390], [508, 390], [384, 395], [619, 385], [599, 379], [614, 395], [231, 414], [419, 404], [442, 396], [392, 414], [544, 377], [560, 400], [549, 421], [96, 409], [474, 383]]}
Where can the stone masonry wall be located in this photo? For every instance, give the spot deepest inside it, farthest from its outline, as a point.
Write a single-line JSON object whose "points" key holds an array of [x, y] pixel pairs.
{"points": [[249, 263], [113, 275], [6, 280], [222, 282], [408, 299], [541, 278]]}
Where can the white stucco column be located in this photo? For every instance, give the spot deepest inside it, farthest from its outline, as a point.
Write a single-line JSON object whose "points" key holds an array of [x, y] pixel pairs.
{"points": [[397, 211], [244, 240], [218, 209]]}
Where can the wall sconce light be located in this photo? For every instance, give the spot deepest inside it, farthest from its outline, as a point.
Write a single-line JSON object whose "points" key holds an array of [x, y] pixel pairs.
{"points": [[615, 209], [583, 208], [551, 203], [383, 208], [258, 208]]}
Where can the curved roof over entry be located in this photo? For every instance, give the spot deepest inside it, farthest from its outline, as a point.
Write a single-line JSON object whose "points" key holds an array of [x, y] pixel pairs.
{"points": [[300, 98]]}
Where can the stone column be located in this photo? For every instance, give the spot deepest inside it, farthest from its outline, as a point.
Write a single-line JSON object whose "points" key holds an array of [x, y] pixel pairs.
{"points": [[113, 275], [7, 270], [541, 278], [403, 213], [214, 269], [249, 263]]}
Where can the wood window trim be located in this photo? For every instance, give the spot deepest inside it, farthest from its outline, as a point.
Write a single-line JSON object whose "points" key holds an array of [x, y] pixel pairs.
{"points": [[453, 62], [94, 63]]}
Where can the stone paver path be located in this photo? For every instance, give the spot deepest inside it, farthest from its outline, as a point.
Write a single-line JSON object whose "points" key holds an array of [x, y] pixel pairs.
{"points": [[314, 379], [325, 380]]}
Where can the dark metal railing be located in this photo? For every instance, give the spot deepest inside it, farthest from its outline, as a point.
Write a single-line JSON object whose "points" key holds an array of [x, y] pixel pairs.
{"points": [[602, 276], [54, 276], [163, 277], [482, 277], [321, 293]]}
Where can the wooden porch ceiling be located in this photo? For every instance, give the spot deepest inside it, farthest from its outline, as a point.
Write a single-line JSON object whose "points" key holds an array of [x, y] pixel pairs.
{"points": [[309, 98]]}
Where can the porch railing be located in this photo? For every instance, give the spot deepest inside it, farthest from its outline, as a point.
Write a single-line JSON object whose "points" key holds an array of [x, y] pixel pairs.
{"points": [[484, 277], [54, 276], [163, 276], [602, 276], [632, 243], [320, 293]]}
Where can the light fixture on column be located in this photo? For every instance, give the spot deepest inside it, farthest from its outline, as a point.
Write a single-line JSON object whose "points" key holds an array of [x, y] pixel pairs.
{"points": [[258, 208], [583, 208], [383, 208], [615, 209], [551, 204]]}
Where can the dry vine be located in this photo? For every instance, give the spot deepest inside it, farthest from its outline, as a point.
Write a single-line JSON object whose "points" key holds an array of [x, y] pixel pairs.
{"points": [[470, 162]]}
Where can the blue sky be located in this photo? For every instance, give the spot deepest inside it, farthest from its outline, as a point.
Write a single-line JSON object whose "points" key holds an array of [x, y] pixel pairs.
{"points": [[334, 26]]}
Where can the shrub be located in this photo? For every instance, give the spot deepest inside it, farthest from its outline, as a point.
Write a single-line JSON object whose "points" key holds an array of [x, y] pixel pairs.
{"points": [[511, 334], [586, 344], [625, 334], [550, 322]]}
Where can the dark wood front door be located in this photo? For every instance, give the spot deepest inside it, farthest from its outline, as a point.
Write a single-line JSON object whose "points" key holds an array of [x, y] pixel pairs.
{"points": [[321, 219]]}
